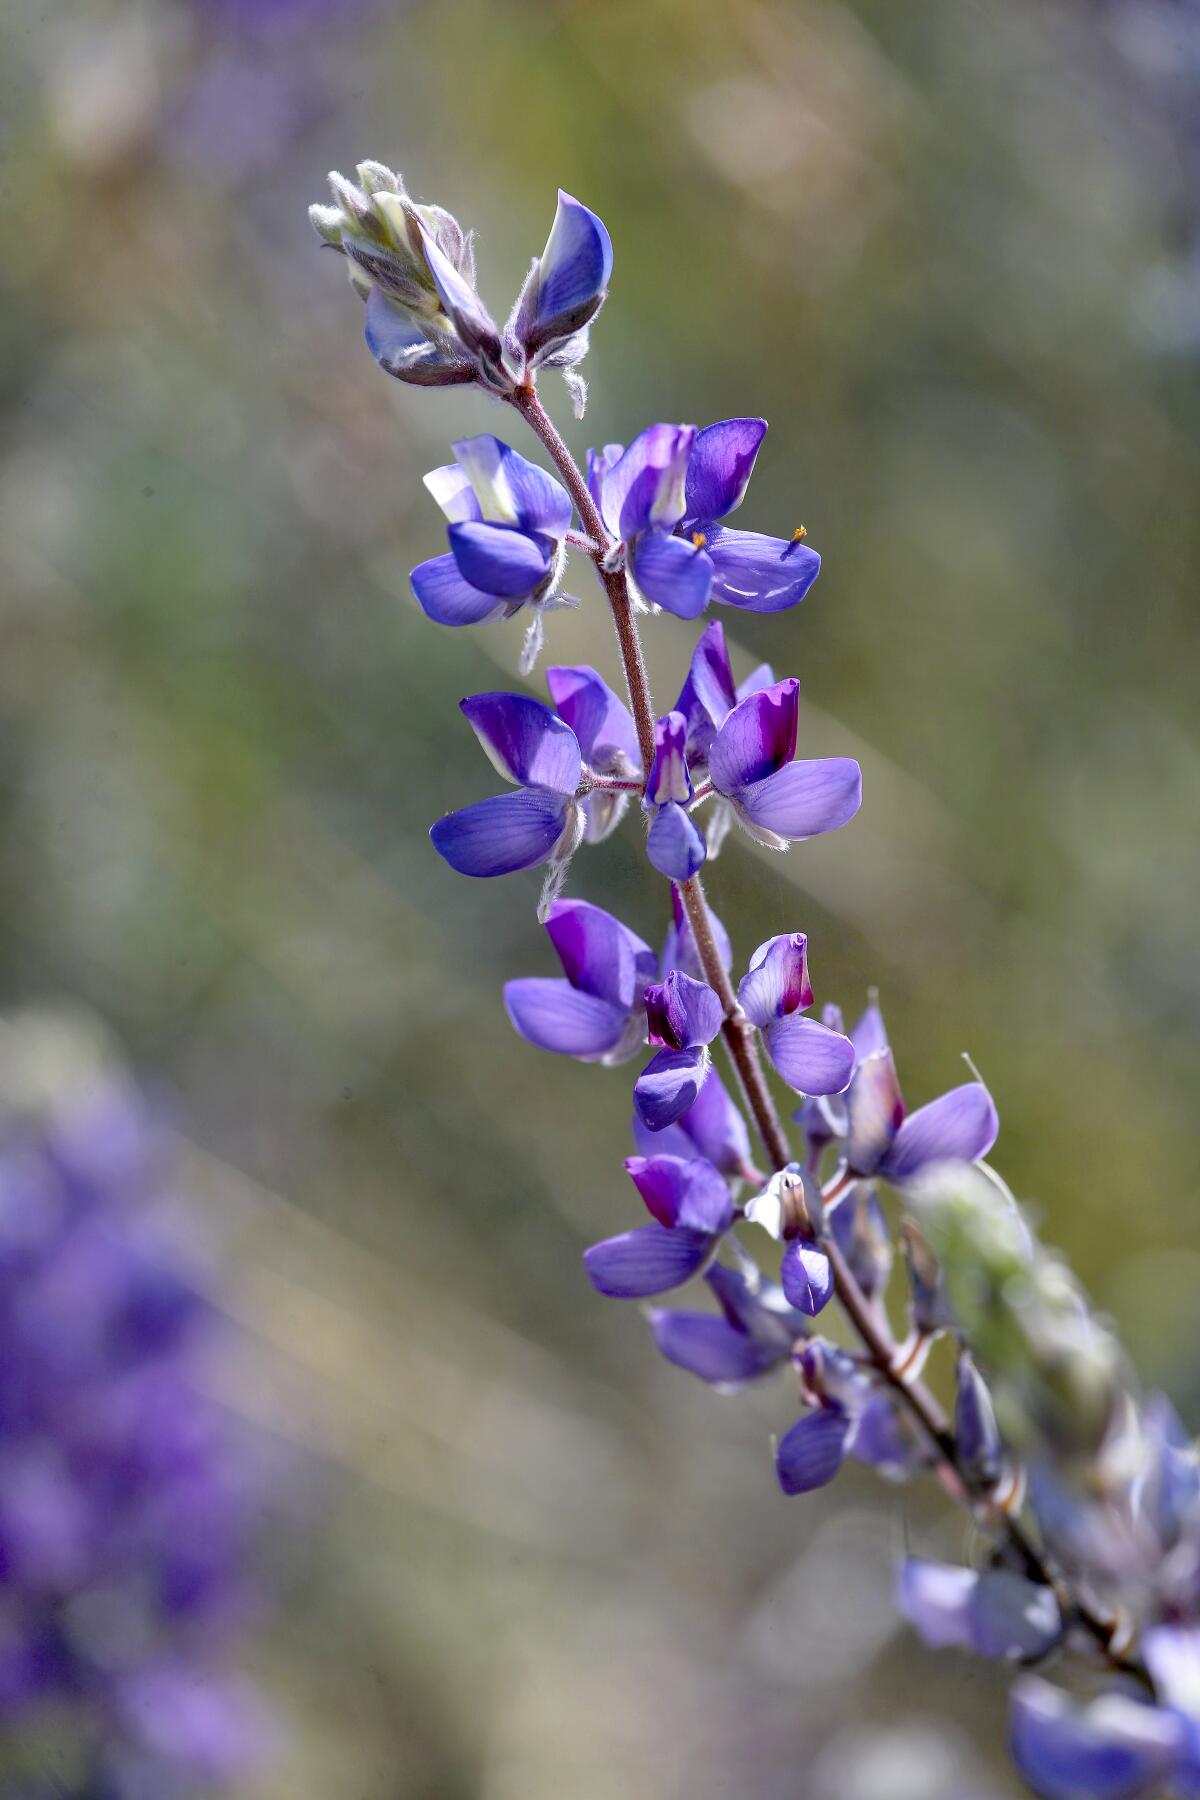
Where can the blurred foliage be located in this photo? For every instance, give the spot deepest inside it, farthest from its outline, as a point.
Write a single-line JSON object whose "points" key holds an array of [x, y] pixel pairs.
{"points": [[917, 238]]}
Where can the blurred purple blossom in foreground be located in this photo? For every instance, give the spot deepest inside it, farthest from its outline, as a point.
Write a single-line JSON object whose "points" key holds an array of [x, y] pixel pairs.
{"points": [[123, 1496]]}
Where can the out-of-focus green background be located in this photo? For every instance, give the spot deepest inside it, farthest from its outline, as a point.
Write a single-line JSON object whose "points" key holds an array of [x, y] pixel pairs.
{"points": [[938, 246]]}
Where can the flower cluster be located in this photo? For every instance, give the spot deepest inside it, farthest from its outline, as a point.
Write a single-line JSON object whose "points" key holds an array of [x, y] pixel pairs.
{"points": [[123, 1496], [1085, 1500]]}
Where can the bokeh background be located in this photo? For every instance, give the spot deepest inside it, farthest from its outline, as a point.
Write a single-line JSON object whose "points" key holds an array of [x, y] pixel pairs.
{"points": [[948, 249]]}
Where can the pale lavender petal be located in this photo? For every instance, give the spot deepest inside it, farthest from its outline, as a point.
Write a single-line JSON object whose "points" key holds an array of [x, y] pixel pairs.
{"points": [[672, 572], [710, 1347], [1013, 1617], [760, 574], [402, 348], [669, 778], [1172, 1655], [887, 1439], [811, 1058], [861, 1233], [472, 320], [574, 268], [675, 846], [757, 739], [777, 982], [806, 1277], [649, 1260], [716, 1127], [599, 955], [555, 1016], [874, 1111], [1113, 1748], [959, 1127], [668, 1086], [812, 1452], [645, 486], [511, 490], [451, 488], [525, 741], [756, 681], [602, 723], [672, 1140], [935, 1598], [500, 559], [804, 799], [708, 695], [682, 1193], [679, 949], [500, 835], [720, 466], [869, 1033], [444, 596], [681, 1013]]}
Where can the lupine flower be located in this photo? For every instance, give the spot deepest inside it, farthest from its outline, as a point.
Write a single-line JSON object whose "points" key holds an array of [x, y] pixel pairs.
{"points": [[776, 800], [664, 499], [564, 290], [862, 1236], [597, 1013], [507, 522], [537, 751], [1110, 1748], [753, 1335], [712, 1127], [811, 1453], [415, 268], [607, 737], [709, 693], [790, 1209], [691, 1204], [994, 1612], [682, 1017], [124, 1505], [775, 995], [674, 844]]}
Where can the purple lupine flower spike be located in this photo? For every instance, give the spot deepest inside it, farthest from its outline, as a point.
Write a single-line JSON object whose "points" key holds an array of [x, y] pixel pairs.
{"points": [[774, 995], [607, 738], [597, 1012], [674, 844], [691, 1206], [683, 1017], [507, 520], [776, 800], [533, 748]]}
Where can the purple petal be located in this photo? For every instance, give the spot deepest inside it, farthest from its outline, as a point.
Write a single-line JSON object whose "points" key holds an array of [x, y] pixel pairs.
{"points": [[668, 1086], [811, 1058], [510, 490], [599, 955], [500, 559], [721, 463], [1172, 1655], [681, 1013], [673, 572], [756, 681], [471, 318], [574, 269], [869, 1033], [672, 1140], [1013, 1617], [756, 740], [777, 982], [555, 1016], [862, 1236], [1114, 1748], [887, 1439], [500, 835], [806, 1277], [716, 1127], [812, 1452], [805, 798], [444, 596], [708, 695], [602, 723], [675, 846], [682, 1194], [669, 778], [959, 1127], [935, 1598], [649, 1260], [874, 1111], [645, 486], [402, 348], [710, 1347], [525, 741], [760, 574]]}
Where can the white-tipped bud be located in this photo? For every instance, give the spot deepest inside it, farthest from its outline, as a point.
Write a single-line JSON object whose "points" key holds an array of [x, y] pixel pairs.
{"points": [[377, 178], [352, 200], [327, 222]]}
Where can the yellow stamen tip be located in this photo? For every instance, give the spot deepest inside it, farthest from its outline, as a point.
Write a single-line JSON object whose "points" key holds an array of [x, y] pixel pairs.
{"points": [[699, 539], [799, 533]]}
